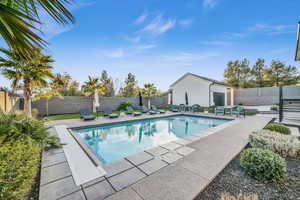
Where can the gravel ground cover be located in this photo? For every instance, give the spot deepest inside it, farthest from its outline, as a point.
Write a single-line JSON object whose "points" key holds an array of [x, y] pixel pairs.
{"points": [[233, 180]]}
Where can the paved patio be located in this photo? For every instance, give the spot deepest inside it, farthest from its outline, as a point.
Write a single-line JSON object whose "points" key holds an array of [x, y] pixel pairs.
{"points": [[176, 170]]}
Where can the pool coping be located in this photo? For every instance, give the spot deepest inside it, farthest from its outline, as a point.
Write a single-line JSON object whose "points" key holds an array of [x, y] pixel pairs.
{"points": [[99, 162], [84, 191]]}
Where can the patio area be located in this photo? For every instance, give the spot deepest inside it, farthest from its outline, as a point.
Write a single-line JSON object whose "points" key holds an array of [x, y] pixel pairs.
{"points": [[176, 170]]}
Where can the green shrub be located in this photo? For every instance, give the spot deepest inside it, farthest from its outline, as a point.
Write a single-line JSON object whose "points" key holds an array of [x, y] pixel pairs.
{"points": [[274, 108], [123, 106], [285, 145], [263, 165], [19, 166], [278, 128], [18, 125]]}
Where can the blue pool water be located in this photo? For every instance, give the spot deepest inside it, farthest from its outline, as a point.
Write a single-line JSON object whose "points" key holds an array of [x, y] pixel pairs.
{"points": [[114, 142]]}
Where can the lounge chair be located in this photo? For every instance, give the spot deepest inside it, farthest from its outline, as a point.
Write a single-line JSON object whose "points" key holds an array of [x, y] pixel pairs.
{"points": [[181, 108], [145, 110], [130, 111], [86, 114], [238, 111], [220, 110], [108, 112], [174, 108], [153, 107], [195, 107]]}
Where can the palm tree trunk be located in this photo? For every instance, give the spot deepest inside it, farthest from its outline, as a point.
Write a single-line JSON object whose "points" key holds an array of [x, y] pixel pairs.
{"points": [[27, 96], [47, 107]]}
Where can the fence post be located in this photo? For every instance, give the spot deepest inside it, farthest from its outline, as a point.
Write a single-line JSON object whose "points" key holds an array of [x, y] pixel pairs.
{"points": [[280, 104]]}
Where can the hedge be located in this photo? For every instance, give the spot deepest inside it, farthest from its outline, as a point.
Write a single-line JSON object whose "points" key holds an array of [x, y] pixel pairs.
{"points": [[278, 128], [19, 166]]}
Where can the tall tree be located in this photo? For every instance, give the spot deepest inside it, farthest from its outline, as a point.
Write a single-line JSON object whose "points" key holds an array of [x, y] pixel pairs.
{"points": [[31, 72], [149, 91], [237, 73], [92, 87], [279, 74], [108, 84], [65, 85], [257, 71], [18, 20], [245, 73], [130, 88]]}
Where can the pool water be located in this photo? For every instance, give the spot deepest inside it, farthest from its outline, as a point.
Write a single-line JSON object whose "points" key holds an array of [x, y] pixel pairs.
{"points": [[114, 142]]}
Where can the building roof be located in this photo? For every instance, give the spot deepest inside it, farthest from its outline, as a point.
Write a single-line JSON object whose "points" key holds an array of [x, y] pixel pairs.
{"points": [[200, 77], [297, 55]]}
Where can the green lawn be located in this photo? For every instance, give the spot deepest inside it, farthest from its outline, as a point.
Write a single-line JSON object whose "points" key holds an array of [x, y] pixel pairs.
{"points": [[65, 116]]}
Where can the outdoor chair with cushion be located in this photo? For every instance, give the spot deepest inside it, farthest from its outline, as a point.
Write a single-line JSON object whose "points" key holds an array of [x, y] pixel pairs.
{"points": [[86, 114], [146, 110], [130, 111], [195, 107], [238, 111], [174, 108], [153, 107], [220, 110], [181, 108], [109, 112]]}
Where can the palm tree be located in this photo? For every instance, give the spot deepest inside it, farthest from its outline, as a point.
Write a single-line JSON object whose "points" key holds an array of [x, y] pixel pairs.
{"points": [[92, 87], [32, 72], [149, 91], [18, 20]]}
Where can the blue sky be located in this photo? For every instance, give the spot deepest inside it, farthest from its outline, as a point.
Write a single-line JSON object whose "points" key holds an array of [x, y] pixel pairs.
{"points": [[160, 40]]}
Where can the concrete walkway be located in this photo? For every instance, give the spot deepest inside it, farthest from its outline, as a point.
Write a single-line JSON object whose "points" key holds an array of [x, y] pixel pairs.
{"points": [[181, 179]]}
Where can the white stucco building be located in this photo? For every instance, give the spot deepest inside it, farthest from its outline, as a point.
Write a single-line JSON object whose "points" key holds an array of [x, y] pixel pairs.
{"points": [[200, 90]]}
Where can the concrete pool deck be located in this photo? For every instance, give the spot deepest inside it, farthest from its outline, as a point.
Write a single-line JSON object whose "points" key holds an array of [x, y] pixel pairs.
{"points": [[177, 170]]}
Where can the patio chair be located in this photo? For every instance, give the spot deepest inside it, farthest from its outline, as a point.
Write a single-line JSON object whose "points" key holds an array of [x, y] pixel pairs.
{"points": [[174, 108], [195, 107], [153, 107], [130, 111], [181, 108], [86, 114], [108, 112], [146, 110], [238, 111], [220, 110]]}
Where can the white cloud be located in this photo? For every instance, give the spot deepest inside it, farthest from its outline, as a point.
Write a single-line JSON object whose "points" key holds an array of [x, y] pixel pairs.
{"points": [[185, 22], [271, 29], [118, 53], [141, 18], [189, 58], [209, 3], [146, 46], [133, 39], [216, 43], [159, 25]]}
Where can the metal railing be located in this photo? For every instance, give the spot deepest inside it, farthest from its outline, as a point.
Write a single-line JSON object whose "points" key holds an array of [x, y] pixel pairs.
{"points": [[289, 109]]}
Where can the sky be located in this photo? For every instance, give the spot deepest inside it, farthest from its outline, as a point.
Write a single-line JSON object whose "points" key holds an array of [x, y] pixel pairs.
{"points": [[161, 40]]}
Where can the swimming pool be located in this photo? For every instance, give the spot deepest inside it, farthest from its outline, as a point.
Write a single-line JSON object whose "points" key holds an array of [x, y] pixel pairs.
{"points": [[114, 142]]}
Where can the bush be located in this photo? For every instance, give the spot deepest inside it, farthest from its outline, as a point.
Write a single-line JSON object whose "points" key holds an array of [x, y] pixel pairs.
{"points": [[274, 108], [19, 166], [123, 106], [278, 128], [18, 125], [263, 165], [239, 197], [285, 145]]}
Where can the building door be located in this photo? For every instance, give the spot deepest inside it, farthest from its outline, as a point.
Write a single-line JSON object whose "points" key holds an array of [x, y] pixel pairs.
{"points": [[219, 98]]}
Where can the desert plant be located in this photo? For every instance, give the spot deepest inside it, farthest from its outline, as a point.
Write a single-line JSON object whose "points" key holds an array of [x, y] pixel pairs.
{"points": [[239, 197], [285, 145], [263, 165], [278, 128], [123, 106], [19, 165], [19, 125]]}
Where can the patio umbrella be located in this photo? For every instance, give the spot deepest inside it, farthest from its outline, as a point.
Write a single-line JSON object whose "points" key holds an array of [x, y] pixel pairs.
{"points": [[186, 99], [140, 99]]}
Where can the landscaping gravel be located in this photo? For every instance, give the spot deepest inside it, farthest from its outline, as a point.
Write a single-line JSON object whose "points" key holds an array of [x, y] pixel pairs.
{"points": [[234, 181]]}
